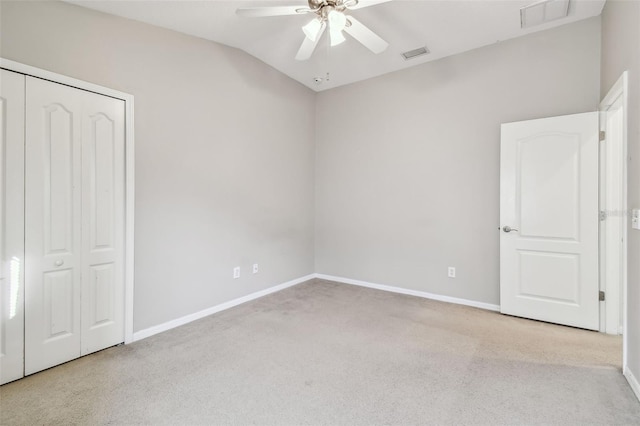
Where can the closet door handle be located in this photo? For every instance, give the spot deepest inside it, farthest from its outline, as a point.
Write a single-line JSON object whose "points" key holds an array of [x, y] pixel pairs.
{"points": [[59, 262]]}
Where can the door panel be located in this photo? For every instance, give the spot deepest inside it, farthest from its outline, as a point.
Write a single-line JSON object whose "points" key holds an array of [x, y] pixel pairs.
{"points": [[549, 196], [103, 222], [58, 167], [549, 276], [58, 303], [11, 226], [102, 309], [100, 158], [53, 226], [548, 205]]}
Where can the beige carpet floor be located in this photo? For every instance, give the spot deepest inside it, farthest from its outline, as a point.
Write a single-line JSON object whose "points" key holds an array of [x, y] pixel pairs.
{"points": [[334, 354]]}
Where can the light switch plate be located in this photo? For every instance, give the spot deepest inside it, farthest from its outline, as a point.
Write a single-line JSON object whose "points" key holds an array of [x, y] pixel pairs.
{"points": [[635, 219]]}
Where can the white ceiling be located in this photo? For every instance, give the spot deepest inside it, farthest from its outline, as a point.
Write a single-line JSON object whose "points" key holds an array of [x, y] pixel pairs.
{"points": [[446, 27]]}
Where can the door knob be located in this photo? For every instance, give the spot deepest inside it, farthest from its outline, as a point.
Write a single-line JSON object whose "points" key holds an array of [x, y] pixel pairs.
{"points": [[507, 229], [59, 262]]}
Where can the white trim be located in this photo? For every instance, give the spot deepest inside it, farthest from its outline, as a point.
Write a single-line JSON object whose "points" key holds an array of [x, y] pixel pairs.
{"points": [[129, 170], [425, 295], [633, 382], [620, 89], [62, 79], [602, 269], [130, 204], [147, 332]]}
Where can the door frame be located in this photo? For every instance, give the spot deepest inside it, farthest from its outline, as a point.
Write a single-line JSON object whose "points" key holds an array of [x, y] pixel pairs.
{"points": [[129, 171], [609, 254]]}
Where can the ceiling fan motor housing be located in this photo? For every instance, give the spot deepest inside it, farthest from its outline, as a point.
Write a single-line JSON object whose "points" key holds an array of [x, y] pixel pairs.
{"points": [[320, 5], [317, 4]]}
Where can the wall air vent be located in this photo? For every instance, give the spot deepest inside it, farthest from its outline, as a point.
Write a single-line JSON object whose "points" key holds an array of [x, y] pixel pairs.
{"points": [[542, 12], [415, 53]]}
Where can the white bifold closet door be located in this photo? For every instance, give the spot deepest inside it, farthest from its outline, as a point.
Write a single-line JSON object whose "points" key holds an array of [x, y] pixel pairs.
{"points": [[11, 225], [74, 223]]}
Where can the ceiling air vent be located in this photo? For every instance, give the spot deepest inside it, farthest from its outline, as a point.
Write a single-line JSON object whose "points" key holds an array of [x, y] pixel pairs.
{"points": [[542, 12], [415, 53]]}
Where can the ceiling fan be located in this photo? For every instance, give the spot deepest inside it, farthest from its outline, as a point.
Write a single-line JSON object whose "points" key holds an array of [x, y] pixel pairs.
{"points": [[329, 13]]}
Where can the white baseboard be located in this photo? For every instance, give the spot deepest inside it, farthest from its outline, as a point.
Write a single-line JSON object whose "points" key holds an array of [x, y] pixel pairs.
{"points": [[147, 332], [633, 382], [417, 293]]}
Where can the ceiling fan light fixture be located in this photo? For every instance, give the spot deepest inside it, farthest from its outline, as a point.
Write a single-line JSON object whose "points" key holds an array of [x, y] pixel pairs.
{"points": [[312, 29], [337, 20], [336, 38], [337, 23]]}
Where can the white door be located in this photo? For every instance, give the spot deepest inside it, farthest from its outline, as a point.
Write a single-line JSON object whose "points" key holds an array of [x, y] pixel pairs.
{"points": [[74, 223], [102, 222], [11, 226], [549, 220], [53, 225]]}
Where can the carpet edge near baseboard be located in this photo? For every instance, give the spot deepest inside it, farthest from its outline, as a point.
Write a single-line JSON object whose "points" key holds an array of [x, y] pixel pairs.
{"points": [[417, 293], [633, 382], [148, 332]]}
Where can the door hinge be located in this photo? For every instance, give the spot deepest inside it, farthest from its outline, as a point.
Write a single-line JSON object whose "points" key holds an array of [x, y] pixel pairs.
{"points": [[603, 215], [603, 135], [601, 296]]}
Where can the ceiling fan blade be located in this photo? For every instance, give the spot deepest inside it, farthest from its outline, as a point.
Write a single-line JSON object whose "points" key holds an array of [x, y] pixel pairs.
{"points": [[258, 12], [308, 45], [364, 35], [359, 4]]}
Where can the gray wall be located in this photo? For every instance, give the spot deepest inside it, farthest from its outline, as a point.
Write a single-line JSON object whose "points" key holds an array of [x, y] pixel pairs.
{"points": [[408, 164], [224, 152], [620, 52], [406, 174]]}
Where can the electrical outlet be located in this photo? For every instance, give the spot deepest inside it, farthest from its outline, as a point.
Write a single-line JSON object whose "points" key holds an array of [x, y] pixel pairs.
{"points": [[236, 272], [451, 272], [255, 268], [635, 218]]}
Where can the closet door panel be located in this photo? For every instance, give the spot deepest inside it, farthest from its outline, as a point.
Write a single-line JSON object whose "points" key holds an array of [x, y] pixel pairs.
{"points": [[53, 224], [12, 87], [103, 222]]}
